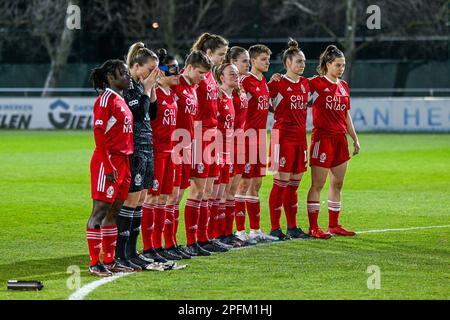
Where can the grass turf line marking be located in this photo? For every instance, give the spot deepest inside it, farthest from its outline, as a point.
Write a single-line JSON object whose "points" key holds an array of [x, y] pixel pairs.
{"points": [[402, 229], [81, 293]]}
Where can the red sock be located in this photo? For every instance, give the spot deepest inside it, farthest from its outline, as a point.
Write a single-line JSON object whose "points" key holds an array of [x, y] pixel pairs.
{"points": [[213, 211], [177, 222], [94, 239], [276, 202], [254, 208], [290, 203], [220, 227], [202, 232], [334, 208], [169, 227], [191, 217], [313, 214], [229, 217], [159, 222], [147, 225], [239, 212], [109, 238]]}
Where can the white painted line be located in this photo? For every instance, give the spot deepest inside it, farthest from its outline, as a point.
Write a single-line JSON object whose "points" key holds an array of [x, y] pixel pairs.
{"points": [[402, 229], [81, 293]]}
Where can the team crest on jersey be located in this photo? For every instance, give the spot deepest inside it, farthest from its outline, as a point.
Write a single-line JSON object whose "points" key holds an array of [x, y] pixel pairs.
{"points": [[138, 180], [303, 88], [200, 168], [155, 185], [247, 168], [110, 192], [323, 157], [282, 161]]}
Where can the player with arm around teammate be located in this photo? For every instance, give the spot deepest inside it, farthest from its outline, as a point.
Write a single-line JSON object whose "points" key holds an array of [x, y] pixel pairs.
{"points": [[288, 148]]}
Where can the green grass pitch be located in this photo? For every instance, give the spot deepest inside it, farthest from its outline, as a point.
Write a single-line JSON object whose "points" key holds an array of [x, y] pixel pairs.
{"points": [[398, 181]]}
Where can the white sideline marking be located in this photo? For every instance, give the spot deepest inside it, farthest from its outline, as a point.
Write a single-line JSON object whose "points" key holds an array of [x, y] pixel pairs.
{"points": [[402, 229], [81, 293]]}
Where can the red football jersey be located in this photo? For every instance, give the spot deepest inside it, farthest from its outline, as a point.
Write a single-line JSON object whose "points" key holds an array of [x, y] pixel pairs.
{"points": [[258, 101], [113, 127], [290, 104], [226, 117], [165, 122], [331, 102], [186, 98], [208, 95], [240, 103]]}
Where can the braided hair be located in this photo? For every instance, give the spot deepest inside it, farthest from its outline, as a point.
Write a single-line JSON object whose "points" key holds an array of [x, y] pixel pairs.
{"points": [[99, 75]]}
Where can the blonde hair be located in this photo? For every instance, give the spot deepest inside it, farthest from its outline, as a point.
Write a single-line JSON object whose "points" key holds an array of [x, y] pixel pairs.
{"points": [[139, 54]]}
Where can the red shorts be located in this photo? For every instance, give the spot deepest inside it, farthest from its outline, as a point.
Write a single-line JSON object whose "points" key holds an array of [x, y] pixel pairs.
{"points": [[289, 156], [182, 176], [255, 168], [164, 173], [225, 174], [104, 190], [239, 158], [328, 151], [206, 163]]}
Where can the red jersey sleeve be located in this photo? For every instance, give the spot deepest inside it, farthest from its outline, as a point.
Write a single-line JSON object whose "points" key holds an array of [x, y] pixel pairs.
{"points": [[102, 112], [273, 88]]}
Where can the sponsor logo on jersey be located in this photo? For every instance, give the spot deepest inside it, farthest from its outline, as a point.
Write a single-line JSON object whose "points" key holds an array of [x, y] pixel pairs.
{"points": [[164, 103], [138, 180], [258, 89], [110, 192], [133, 103], [323, 157], [289, 89], [326, 90], [128, 126]]}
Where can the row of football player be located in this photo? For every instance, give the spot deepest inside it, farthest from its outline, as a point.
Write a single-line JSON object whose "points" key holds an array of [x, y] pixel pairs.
{"points": [[134, 181]]}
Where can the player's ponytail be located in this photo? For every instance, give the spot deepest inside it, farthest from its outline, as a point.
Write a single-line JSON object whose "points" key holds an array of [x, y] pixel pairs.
{"points": [[328, 56], [99, 75], [292, 50], [233, 54], [209, 41], [139, 54]]}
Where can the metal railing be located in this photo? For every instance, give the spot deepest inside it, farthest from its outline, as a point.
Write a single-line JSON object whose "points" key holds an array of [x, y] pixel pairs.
{"points": [[385, 92]]}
